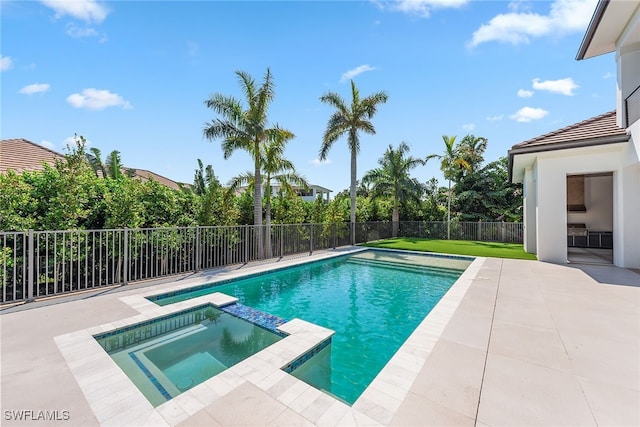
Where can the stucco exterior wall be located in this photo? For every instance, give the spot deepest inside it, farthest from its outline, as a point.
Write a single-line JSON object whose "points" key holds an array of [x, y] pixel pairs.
{"points": [[530, 195], [551, 219]]}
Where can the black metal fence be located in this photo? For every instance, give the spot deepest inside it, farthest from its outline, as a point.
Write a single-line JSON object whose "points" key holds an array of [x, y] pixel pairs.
{"points": [[35, 264]]}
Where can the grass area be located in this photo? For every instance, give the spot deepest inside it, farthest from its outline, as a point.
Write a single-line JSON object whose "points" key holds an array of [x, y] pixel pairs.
{"points": [[456, 247]]}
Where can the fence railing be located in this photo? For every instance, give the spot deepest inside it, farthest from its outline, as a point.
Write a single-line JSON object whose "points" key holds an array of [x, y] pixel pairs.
{"points": [[35, 264], [632, 107]]}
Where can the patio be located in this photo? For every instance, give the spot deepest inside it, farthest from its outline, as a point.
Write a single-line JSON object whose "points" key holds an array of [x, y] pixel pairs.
{"points": [[516, 343]]}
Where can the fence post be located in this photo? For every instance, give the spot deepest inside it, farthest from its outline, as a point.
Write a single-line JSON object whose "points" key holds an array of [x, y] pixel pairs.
{"points": [[310, 239], [125, 257], [197, 260], [246, 244], [479, 230], [31, 265]]}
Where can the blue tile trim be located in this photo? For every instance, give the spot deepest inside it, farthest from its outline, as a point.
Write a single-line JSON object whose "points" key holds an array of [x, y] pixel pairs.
{"points": [[151, 377], [159, 297], [292, 366], [152, 321], [257, 317]]}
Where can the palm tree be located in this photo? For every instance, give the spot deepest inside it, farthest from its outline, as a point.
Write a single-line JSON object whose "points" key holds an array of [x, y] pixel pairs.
{"points": [[471, 148], [350, 120], [274, 168], [204, 179], [450, 161], [110, 168], [392, 179], [246, 129]]}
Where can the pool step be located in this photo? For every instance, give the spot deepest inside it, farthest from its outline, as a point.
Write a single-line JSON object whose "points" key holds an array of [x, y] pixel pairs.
{"points": [[420, 269]]}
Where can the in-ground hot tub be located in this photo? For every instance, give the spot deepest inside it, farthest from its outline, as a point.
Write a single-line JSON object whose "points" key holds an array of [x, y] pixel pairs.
{"points": [[169, 355]]}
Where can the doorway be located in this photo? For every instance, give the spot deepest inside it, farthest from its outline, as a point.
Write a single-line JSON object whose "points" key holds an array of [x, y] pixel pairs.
{"points": [[590, 218]]}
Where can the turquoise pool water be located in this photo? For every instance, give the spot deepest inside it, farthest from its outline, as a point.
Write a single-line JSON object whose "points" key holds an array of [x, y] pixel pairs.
{"points": [[373, 300], [172, 354]]}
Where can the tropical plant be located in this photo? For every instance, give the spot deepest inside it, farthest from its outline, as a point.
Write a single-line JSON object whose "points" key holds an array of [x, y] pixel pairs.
{"points": [[471, 149], [449, 162], [111, 168], [275, 168], [350, 120], [392, 179], [246, 129]]}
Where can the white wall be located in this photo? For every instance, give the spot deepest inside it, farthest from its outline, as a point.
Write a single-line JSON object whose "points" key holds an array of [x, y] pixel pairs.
{"points": [[529, 203], [551, 221], [628, 64]]}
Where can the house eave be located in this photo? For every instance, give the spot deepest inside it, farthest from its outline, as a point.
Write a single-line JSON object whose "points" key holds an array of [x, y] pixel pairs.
{"points": [[617, 139], [591, 29]]}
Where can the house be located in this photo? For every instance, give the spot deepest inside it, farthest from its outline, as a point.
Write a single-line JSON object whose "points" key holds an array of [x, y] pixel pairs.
{"points": [[581, 183], [23, 155], [309, 195]]}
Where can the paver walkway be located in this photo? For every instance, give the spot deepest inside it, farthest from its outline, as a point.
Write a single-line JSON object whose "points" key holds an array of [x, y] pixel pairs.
{"points": [[529, 344]]}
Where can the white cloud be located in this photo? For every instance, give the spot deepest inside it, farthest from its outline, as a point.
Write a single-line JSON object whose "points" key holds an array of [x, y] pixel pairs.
{"points": [[495, 118], [519, 6], [421, 8], [35, 88], [79, 32], [608, 75], [97, 99], [562, 86], [469, 127], [525, 93], [48, 144], [517, 27], [527, 114], [354, 72], [319, 162], [5, 63], [85, 10], [71, 141]]}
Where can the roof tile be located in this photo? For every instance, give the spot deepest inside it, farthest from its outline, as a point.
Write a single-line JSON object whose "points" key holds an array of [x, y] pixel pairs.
{"points": [[599, 127]]}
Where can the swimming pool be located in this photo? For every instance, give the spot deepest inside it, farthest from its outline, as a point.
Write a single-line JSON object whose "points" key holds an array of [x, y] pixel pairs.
{"points": [[373, 300]]}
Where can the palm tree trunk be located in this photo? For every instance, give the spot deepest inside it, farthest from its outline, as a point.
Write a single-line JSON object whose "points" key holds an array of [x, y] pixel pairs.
{"points": [[395, 220], [267, 236], [257, 206], [449, 212], [353, 196]]}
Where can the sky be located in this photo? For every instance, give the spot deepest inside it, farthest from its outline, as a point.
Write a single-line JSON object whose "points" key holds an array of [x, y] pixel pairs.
{"points": [[134, 76]]}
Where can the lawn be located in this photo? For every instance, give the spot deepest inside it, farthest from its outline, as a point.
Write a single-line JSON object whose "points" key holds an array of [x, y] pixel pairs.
{"points": [[457, 247]]}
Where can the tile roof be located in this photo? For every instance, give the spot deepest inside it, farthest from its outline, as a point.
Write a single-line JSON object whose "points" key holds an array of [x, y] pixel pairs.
{"points": [[600, 129], [144, 174], [23, 155]]}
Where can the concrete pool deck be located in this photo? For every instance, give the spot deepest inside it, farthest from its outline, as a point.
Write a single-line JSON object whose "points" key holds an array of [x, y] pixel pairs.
{"points": [[515, 343]]}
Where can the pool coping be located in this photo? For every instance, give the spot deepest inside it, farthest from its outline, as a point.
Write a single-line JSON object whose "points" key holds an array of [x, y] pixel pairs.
{"points": [[114, 399]]}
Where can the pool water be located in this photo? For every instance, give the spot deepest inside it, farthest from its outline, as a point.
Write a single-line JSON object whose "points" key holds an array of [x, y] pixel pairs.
{"points": [[170, 355], [373, 300]]}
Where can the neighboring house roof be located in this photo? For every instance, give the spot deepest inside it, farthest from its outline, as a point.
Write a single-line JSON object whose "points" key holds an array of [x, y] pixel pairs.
{"points": [[598, 130], [609, 22], [144, 174], [21, 155]]}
